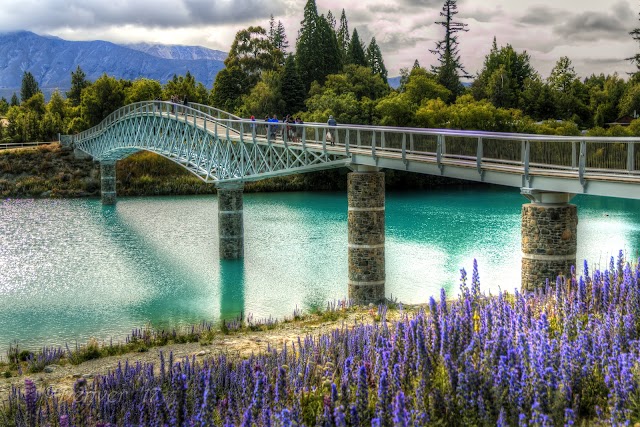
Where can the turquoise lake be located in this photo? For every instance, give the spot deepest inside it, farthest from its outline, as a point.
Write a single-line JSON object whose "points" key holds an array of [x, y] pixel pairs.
{"points": [[73, 269]]}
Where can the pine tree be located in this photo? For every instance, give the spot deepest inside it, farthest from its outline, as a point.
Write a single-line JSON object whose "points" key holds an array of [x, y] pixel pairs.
{"points": [[14, 100], [635, 34], [277, 35], [343, 35], [317, 53], [450, 68], [29, 86], [416, 64], [78, 82], [355, 54], [293, 93], [331, 20], [374, 58]]}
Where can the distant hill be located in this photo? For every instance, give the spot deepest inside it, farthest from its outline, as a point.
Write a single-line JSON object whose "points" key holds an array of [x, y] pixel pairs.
{"points": [[51, 61], [178, 51]]}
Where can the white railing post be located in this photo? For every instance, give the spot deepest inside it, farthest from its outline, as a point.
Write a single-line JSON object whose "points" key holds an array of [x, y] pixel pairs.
{"points": [[630, 157], [404, 148], [583, 162], [479, 154], [527, 146], [346, 142]]}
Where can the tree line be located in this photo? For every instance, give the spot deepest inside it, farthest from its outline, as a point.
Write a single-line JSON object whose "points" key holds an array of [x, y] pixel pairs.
{"points": [[331, 71]]}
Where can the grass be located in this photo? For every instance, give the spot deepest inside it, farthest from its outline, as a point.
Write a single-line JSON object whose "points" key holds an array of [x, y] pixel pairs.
{"points": [[144, 339]]}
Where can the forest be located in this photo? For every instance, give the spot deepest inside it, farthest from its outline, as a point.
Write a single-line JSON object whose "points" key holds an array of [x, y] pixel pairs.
{"points": [[331, 71]]}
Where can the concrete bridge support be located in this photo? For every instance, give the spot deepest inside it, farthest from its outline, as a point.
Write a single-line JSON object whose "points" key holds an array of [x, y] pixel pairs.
{"points": [[549, 237], [366, 235], [108, 182], [230, 222]]}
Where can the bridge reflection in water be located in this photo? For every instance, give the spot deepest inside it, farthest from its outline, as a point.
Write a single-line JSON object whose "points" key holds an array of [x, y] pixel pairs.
{"points": [[226, 150], [231, 289]]}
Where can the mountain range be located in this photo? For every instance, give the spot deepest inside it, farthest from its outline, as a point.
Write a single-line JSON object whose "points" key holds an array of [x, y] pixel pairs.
{"points": [[51, 61]]}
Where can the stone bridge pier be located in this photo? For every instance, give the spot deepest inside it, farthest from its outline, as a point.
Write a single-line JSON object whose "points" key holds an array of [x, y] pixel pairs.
{"points": [[366, 235], [549, 237], [108, 182], [230, 220]]}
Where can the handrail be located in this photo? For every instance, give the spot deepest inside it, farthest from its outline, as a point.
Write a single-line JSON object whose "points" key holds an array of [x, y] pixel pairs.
{"points": [[529, 152]]}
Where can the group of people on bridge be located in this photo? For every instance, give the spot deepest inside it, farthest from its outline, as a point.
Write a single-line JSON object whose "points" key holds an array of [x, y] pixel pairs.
{"points": [[289, 129]]}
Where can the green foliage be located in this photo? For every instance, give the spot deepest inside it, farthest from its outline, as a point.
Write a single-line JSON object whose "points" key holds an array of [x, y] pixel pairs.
{"points": [[355, 52], [503, 76], [4, 106], [293, 93], [562, 75], [253, 53], [343, 35], [375, 60], [395, 110], [14, 100], [630, 101], [184, 87], [146, 89], [317, 51], [100, 99], [277, 35], [350, 97], [29, 86], [230, 85], [422, 86], [265, 97], [78, 83]]}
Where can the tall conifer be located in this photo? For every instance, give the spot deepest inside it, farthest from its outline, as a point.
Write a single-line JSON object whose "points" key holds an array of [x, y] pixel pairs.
{"points": [[343, 35], [450, 68], [293, 93], [317, 53], [374, 58], [29, 86], [355, 54]]}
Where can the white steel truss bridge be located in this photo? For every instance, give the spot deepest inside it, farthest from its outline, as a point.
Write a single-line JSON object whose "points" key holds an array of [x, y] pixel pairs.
{"points": [[222, 148], [227, 150]]}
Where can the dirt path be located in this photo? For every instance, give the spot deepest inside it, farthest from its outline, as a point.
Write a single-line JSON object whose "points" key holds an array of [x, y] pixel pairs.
{"points": [[240, 344]]}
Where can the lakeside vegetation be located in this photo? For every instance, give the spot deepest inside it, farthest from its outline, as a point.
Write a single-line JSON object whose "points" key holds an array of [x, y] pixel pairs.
{"points": [[331, 71], [566, 355]]}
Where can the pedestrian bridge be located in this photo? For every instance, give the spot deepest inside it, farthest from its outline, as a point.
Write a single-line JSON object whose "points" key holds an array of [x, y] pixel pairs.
{"points": [[227, 150]]}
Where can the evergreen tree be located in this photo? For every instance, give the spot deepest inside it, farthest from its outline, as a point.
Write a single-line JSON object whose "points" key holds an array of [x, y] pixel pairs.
{"points": [[317, 52], [502, 77], [416, 65], [14, 100], [229, 87], [331, 20], [635, 34], [343, 35], [78, 82], [4, 106], [450, 68], [293, 93], [253, 53], [562, 75], [29, 86], [355, 54], [374, 58], [277, 35]]}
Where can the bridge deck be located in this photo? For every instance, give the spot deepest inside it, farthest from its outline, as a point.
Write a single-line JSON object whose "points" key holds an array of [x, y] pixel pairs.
{"points": [[218, 146]]}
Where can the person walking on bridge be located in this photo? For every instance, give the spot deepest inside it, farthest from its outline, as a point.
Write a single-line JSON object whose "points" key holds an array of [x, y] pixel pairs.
{"points": [[331, 122]]}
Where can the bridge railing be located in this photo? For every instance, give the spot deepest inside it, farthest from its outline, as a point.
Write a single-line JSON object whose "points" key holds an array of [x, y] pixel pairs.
{"points": [[597, 155]]}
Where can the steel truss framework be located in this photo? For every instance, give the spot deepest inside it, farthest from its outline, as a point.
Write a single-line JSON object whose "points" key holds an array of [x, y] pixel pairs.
{"points": [[195, 143], [220, 147]]}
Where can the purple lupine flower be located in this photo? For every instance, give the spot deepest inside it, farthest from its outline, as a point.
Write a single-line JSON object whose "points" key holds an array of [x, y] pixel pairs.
{"points": [[400, 416], [338, 417], [362, 394], [285, 418]]}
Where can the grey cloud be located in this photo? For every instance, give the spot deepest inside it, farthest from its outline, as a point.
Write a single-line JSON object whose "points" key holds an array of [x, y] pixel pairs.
{"points": [[482, 15], [541, 15], [422, 3], [56, 14], [591, 26], [392, 42]]}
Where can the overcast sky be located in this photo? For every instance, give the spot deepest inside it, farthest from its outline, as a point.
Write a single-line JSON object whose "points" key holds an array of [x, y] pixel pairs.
{"points": [[594, 34]]}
